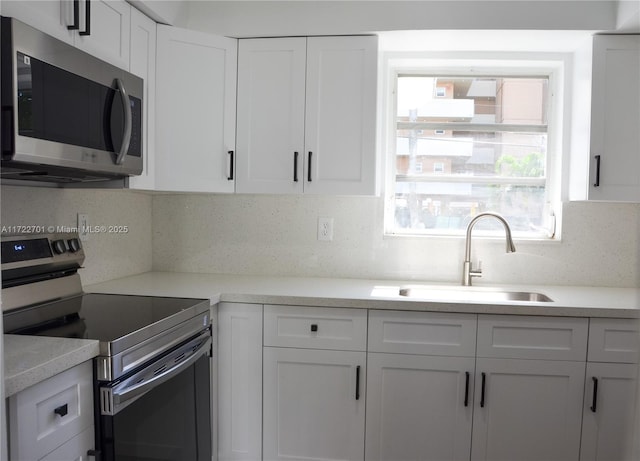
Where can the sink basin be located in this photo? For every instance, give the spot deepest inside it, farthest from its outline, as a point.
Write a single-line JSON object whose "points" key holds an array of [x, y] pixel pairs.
{"points": [[472, 294]]}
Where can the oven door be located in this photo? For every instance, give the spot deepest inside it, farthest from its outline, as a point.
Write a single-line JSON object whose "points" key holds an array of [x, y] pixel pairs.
{"points": [[161, 412]]}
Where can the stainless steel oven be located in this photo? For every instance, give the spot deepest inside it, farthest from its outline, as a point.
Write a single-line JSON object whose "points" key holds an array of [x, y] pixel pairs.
{"points": [[152, 386]]}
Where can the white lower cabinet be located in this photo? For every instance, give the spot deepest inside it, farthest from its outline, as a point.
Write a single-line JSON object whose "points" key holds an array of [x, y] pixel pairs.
{"points": [[53, 420], [314, 383], [527, 410], [609, 411], [527, 392], [529, 388], [78, 448], [419, 407], [314, 404], [610, 403], [239, 381]]}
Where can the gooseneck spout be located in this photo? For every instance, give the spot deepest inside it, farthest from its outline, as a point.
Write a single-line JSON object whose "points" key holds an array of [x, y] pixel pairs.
{"points": [[467, 270]]}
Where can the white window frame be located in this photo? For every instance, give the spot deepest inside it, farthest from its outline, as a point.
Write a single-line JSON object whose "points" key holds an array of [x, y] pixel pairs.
{"points": [[555, 66]]}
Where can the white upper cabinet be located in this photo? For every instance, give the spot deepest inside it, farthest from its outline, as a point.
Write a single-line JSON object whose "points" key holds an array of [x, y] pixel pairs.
{"points": [[615, 119], [143, 64], [306, 115], [100, 27], [340, 121], [195, 111], [51, 17], [107, 31], [271, 86]]}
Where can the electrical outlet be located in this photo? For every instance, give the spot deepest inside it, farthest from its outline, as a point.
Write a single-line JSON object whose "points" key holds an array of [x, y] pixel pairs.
{"points": [[83, 226], [325, 229]]}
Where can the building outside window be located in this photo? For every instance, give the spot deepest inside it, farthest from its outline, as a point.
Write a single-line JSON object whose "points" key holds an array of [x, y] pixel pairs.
{"points": [[482, 145]]}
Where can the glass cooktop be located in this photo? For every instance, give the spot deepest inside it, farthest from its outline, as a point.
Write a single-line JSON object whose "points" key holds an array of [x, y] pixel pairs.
{"points": [[105, 317]]}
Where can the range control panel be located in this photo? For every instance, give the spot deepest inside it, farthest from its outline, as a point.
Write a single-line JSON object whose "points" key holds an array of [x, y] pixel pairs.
{"points": [[37, 250]]}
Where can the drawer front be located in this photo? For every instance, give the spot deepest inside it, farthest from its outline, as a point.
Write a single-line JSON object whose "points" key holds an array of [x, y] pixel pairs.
{"points": [[425, 333], [528, 337], [614, 340], [315, 327], [46, 415]]}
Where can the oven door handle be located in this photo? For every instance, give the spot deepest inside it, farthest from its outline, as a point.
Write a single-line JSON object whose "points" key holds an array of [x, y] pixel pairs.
{"points": [[113, 399]]}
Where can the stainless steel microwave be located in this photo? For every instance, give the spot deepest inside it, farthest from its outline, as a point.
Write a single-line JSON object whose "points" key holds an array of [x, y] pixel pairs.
{"points": [[67, 117]]}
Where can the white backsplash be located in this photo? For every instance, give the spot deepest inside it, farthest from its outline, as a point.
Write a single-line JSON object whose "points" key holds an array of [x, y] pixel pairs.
{"points": [[277, 235], [108, 255]]}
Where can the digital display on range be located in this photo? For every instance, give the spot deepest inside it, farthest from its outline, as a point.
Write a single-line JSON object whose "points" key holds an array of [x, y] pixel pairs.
{"points": [[24, 250]]}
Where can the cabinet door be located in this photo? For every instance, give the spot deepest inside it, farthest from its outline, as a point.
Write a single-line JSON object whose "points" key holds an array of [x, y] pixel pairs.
{"points": [[271, 88], [143, 64], [313, 404], [615, 118], [340, 123], [110, 30], [239, 381], [50, 17], [527, 410], [609, 410], [419, 407], [195, 111], [76, 449]]}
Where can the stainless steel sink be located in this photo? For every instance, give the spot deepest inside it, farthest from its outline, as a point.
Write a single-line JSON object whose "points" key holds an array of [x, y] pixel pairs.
{"points": [[472, 294]]}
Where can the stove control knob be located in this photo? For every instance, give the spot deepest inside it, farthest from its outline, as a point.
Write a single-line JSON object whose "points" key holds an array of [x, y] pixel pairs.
{"points": [[59, 247], [74, 245]]}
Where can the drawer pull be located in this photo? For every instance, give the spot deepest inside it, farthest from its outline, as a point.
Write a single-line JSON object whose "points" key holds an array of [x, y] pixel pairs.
{"points": [[594, 399], [62, 410], [314, 327]]}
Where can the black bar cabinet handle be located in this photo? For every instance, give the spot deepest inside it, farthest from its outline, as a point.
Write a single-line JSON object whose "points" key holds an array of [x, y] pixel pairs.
{"points": [[76, 14], [597, 183], [87, 19], [62, 410], [314, 327], [309, 167], [230, 177], [358, 382], [594, 400], [466, 388], [484, 379], [295, 167]]}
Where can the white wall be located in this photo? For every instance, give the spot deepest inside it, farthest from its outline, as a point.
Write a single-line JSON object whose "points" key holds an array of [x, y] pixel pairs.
{"points": [[283, 18], [276, 235], [108, 255], [628, 16]]}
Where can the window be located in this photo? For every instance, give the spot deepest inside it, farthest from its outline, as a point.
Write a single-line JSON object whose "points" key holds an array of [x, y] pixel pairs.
{"points": [[482, 143]]}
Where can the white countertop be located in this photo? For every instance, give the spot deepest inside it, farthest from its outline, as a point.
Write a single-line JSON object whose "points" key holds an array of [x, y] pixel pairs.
{"points": [[29, 359], [374, 294]]}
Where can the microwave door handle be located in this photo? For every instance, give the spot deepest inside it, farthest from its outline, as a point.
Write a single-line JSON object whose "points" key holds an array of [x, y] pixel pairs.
{"points": [[122, 396], [128, 122]]}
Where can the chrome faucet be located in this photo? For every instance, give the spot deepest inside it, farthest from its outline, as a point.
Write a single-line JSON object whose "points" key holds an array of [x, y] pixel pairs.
{"points": [[467, 270]]}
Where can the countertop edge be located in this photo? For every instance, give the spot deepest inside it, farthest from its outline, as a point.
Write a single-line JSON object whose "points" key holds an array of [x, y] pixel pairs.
{"points": [[30, 360]]}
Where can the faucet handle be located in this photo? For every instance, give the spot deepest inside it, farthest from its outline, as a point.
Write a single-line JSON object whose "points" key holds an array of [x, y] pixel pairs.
{"points": [[476, 272]]}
